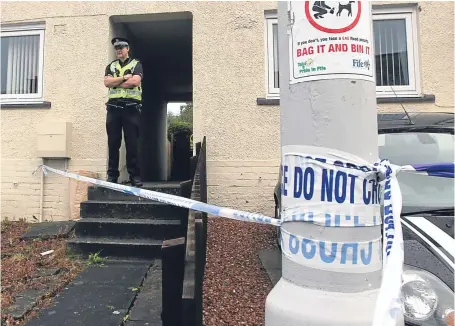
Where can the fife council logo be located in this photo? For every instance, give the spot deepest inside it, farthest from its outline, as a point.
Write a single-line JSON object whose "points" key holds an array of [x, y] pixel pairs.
{"points": [[361, 64]]}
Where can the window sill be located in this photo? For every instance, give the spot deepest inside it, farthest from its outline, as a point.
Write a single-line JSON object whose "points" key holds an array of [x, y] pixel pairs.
{"points": [[268, 101], [427, 98], [26, 105]]}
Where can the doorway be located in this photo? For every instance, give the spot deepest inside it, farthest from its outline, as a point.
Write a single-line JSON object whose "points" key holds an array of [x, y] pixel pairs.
{"points": [[163, 43], [179, 135]]}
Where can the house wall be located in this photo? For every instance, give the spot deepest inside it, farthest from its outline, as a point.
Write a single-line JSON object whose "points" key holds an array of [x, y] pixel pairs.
{"points": [[243, 138], [436, 46], [74, 89]]}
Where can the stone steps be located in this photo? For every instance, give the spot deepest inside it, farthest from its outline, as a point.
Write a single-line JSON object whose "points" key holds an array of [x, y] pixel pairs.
{"points": [[122, 226], [123, 209], [129, 228], [99, 193], [116, 247]]}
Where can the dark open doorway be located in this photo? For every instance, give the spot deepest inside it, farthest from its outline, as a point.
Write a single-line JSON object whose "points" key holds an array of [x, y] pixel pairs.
{"points": [[179, 132], [163, 43]]}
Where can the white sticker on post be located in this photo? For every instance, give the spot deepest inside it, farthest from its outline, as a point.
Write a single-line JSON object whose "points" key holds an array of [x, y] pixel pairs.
{"points": [[330, 39]]}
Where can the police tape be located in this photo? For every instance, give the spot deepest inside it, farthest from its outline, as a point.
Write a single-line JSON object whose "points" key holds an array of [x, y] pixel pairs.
{"points": [[344, 191], [294, 214], [332, 256], [341, 190], [357, 216], [388, 305], [171, 199]]}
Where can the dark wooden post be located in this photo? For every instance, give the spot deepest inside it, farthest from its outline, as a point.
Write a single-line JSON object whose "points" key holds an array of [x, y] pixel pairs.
{"points": [[200, 266], [173, 262]]}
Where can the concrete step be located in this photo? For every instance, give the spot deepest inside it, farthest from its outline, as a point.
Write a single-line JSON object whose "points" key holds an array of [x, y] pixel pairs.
{"points": [[115, 247], [131, 210], [129, 228], [100, 193]]}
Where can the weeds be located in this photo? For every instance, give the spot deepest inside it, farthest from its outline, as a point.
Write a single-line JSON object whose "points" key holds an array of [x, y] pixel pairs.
{"points": [[95, 259]]}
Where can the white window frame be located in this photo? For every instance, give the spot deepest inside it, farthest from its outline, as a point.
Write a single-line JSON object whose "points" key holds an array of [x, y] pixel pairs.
{"points": [[409, 13], [27, 30], [271, 91]]}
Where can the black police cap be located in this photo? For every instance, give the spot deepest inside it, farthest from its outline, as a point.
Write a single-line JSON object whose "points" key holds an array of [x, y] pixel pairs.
{"points": [[120, 41]]}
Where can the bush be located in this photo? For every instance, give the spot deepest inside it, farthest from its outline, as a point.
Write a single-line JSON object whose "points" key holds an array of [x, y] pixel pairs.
{"points": [[177, 127]]}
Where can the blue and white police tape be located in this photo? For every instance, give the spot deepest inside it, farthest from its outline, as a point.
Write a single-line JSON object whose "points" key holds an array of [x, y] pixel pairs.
{"points": [[331, 192], [388, 307], [343, 190], [388, 303], [445, 170], [172, 199], [334, 256], [348, 196], [292, 215]]}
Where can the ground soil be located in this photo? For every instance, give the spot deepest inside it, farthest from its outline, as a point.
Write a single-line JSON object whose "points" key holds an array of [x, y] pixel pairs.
{"points": [[235, 285], [21, 262]]}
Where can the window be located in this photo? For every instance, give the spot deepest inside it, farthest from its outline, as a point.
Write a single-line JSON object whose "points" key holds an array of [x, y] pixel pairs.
{"points": [[396, 53], [272, 60], [420, 148], [22, 63]]}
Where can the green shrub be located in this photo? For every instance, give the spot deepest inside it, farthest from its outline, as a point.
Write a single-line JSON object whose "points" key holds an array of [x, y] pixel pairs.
{"points": [[178, 127]]}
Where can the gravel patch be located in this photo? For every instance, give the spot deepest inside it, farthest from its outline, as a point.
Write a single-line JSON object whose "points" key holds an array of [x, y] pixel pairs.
{"points": [[235, 285]]}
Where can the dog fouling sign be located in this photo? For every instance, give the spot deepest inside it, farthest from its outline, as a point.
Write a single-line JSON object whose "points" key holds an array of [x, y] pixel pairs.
{"points": [[330, 40]]}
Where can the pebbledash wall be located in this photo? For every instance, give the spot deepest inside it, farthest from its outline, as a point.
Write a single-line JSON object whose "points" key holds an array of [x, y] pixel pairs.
{"points": [[236, 104]]}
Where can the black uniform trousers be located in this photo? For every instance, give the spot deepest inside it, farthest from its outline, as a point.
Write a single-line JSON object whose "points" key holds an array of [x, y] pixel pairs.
{"points": [[126, 118]]}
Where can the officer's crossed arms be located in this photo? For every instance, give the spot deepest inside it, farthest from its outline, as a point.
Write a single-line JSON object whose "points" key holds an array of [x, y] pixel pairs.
{"points": [[126, 81]]}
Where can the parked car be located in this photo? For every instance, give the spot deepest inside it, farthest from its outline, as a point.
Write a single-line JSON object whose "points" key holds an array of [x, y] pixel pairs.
{"points": [[427, 214]]}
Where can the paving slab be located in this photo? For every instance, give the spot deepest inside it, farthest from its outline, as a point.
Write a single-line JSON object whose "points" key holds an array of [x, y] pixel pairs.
{"points": [[148, 305], [271, 261], [46, 272], [100, 295], [47, 230], [24, 302]]}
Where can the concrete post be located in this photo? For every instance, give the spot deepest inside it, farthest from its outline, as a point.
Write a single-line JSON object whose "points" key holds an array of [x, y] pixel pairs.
{"points": [[326, 102]]}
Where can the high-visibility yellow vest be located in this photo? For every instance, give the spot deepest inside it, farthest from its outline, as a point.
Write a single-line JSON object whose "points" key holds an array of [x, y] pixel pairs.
{"points": [[118, 92]]}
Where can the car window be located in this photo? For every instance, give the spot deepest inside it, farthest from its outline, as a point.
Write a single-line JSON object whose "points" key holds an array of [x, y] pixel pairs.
{"points": [[420, 148]]}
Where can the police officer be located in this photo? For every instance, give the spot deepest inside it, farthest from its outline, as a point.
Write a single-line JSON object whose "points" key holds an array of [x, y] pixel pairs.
{"points": [[123, 77]]}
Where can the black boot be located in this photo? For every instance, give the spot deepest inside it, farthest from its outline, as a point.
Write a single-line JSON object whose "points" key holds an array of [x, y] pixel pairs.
{"points": [[136, 182], [112, 179]]}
